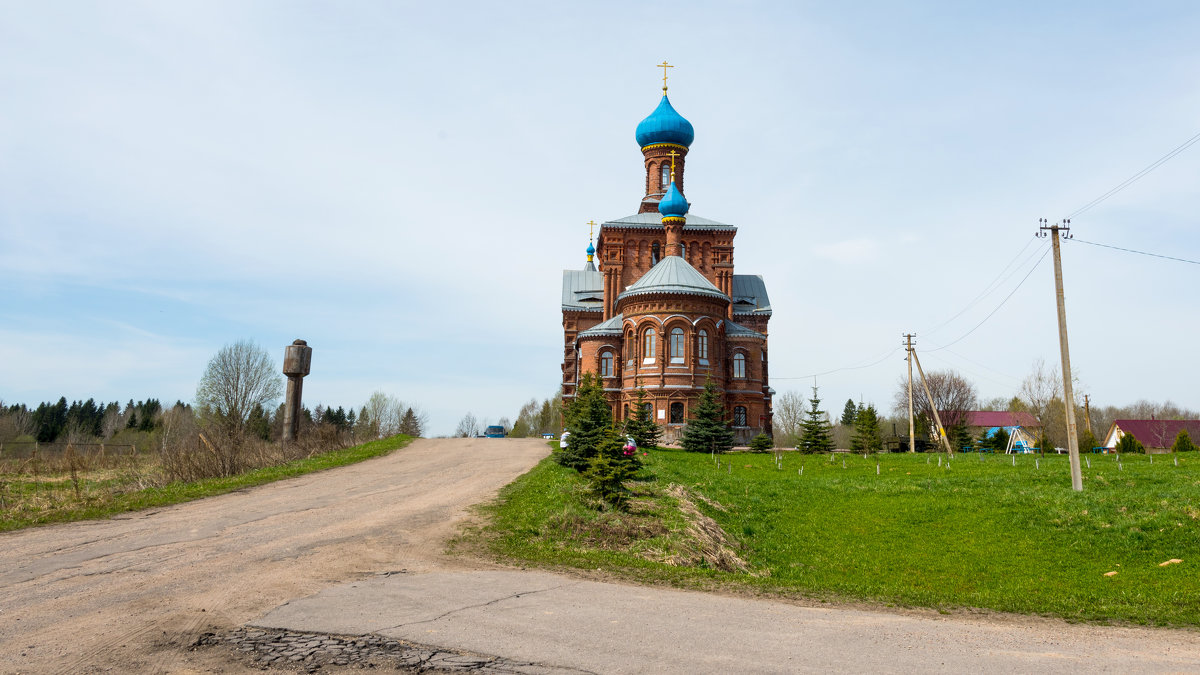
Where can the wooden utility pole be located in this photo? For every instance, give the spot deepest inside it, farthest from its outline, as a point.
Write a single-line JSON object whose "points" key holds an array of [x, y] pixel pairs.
{"points": [[912, 438], [1087, 412], [1064, 230], [933, 406]]}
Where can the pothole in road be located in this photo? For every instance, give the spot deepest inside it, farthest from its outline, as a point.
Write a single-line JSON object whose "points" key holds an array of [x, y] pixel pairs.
{"points": [[293, 651]]}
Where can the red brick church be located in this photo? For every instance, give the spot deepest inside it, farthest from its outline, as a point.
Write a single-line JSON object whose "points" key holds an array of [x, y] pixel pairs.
{"points": [[661, 307]]}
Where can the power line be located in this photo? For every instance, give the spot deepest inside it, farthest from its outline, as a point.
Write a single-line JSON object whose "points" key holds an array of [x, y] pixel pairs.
{"points": [[1002, 303], [1129, 250], [1137, 176], [838, 370], [995, 283]]}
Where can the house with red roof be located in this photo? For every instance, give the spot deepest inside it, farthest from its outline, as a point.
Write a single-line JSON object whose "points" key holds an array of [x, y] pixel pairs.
{"points": [[1022, 427], [1157, 435]]}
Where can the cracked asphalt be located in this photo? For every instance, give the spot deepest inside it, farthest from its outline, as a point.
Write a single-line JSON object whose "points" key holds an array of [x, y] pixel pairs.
{"points": [[316, 566]]}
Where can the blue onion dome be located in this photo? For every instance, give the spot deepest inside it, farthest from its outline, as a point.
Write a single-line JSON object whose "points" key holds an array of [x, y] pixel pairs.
{"points": [[673, 205], [591, 250], [664, 125]]}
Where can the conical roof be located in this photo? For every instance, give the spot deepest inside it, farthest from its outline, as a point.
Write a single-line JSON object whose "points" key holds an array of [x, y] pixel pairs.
{"points": [[673, 274]]}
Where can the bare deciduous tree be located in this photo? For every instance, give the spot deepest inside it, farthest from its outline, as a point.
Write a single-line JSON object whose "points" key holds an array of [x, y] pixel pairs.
{"points": [[953, 395], [468, 426], [238, 377], [788, 409]]}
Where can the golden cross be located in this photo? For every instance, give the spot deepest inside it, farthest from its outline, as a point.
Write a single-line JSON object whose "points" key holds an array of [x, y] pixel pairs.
{"points": [[664, 65], [591, 225], [673, 156]]}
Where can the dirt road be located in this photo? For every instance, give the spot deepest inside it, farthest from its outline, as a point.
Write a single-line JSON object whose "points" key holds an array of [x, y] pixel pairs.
{"points": [[320, 554], [130, 594]]}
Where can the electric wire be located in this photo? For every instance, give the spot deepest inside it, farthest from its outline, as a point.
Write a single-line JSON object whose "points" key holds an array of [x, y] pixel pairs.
{"points": [[1137, 176], [838, 370], [997, 309], [1130, 250], [995, 283]]}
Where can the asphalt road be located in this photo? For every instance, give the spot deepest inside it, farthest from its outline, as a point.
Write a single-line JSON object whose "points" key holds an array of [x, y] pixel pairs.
{"points": [[310, 554]]}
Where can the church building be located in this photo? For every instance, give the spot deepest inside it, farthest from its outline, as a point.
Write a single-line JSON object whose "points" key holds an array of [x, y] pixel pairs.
{"points": [[659, 307]]}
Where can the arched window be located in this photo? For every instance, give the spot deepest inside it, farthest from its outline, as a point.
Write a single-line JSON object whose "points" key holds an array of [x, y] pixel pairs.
{"points": [[655, 253], [676, 345], [606, 364], [702, 346], [648, 347], [739, 415], [677, 413], [739, 365], [666, 175], [630, 349], [682, 250]]}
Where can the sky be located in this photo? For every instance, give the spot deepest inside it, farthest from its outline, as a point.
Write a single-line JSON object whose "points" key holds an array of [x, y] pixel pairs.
{"points": [[402, 183]]}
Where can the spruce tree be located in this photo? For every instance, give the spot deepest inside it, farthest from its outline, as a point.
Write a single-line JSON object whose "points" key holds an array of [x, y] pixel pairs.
{"points": [[815, 431], [609, 468], [707, 431], [849, 413], [409, 424], [588, 419], [640, 425], [866, 431]]}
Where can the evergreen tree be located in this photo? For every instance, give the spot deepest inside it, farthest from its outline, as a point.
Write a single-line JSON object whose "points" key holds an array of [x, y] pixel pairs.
{"points": [[641, 425], [409, 424], [1183, 442], [761, 443], [815, 431], [351, 419], [708, 431], [1087, 441], [259, 423], [866, 431], [1128, 445], [588, 419], [609, 468], [849, 413]]}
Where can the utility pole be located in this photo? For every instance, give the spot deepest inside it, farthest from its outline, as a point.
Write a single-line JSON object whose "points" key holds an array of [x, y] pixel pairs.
{"points": [[1087, 411], [912, 439], [932, 406], [1064, 230]]}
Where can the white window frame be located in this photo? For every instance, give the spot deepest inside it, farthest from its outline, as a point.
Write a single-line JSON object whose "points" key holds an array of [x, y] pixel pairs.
{"points": [[739, 365], [678, 345]]}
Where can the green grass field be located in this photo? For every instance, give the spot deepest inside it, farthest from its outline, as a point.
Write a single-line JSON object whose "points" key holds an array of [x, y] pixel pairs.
{"points": [[967, 534], [25, 502]]}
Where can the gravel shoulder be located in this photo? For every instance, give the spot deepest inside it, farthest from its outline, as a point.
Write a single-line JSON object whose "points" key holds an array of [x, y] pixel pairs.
{"points": [[133, 593]]}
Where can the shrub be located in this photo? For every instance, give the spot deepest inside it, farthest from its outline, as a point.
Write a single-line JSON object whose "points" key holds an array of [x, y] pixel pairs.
{"points": [[1183, 442], [761, 443], [1128, 444]]}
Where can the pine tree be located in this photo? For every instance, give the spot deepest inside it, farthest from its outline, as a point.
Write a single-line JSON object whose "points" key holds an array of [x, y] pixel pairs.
{"points": [[588, 419], [409, 424], [815, 431], [866, 431], [849, 413], [708, 431], [640, 425]]}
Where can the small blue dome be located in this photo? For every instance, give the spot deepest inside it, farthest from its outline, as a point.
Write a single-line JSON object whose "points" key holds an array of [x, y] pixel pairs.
{"points": [[664, 125], [673, 203], [591, 249]]}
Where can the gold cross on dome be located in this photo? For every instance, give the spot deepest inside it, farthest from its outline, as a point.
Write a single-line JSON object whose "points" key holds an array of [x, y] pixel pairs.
{"points": [[673, 155], [664, 65], [591, 227]]}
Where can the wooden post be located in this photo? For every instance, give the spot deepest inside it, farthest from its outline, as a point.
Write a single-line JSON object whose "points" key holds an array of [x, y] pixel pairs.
{"points": [[1068, 394], [936, 417]]}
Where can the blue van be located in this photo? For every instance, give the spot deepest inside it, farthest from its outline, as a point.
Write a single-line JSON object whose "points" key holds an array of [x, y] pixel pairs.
{"points": [[494, 431]]}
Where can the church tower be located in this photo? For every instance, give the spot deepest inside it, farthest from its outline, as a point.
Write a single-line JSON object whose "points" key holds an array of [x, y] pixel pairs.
{"points": [[664, 310]]}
